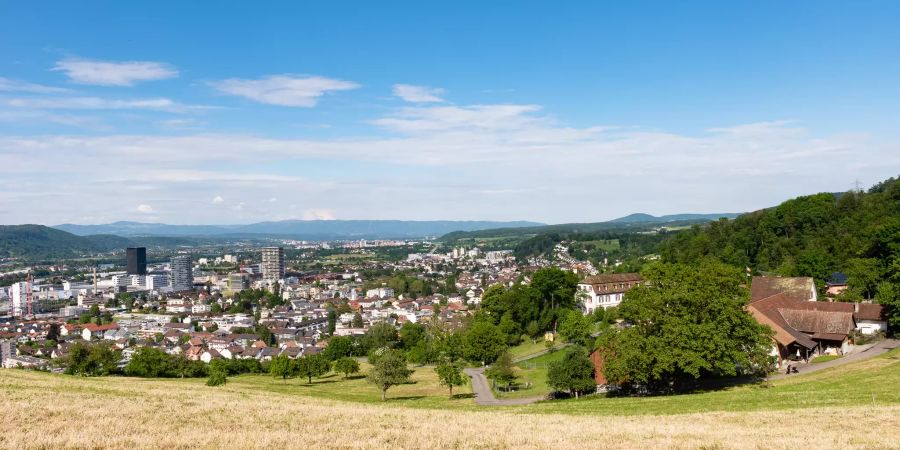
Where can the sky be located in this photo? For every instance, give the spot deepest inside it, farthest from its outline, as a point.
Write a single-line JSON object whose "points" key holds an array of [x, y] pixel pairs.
{"points": [[573, 111]]}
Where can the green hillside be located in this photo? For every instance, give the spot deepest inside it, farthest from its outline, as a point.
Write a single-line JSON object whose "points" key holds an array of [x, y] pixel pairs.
{"points": [[39, 242], [857, 233]]}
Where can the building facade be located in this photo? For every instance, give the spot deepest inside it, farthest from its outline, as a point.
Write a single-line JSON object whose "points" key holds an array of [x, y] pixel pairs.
{"points": [[272, 263], [18, 298], [136, 260], [182, 273], [606, 291]]}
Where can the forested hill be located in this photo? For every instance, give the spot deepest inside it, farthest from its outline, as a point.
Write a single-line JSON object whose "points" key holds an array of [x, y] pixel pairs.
{"points": [[38, 242], [857, 233]]}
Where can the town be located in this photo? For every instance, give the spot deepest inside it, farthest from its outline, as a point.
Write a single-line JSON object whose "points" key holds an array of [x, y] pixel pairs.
{"points": [[454, 225]]}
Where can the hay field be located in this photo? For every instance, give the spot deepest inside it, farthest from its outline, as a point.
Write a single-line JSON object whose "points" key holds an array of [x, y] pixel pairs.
{"points": [[43, 411]]}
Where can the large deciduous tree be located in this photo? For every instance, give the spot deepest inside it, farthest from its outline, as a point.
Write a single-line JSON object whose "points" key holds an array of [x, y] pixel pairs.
{"points": [[574, 373], [685, 323], [484, 342]]}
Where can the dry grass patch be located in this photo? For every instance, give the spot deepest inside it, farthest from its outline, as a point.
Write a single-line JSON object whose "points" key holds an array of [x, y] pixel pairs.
{"points": [[59, 411]]}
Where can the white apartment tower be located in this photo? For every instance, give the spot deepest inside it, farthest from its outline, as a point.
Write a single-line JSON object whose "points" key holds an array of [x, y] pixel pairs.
{"points": [[182, 275], [18, 298], [272, 263]]}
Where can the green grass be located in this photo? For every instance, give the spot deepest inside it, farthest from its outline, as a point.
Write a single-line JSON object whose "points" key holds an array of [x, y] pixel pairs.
{"points": [[527, 348], [608, 245], [423, 392], [533, 371], [541, 361], [875, 381], [824, 358]]}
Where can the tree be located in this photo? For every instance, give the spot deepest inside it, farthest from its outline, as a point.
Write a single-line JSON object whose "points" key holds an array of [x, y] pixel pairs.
{"points": [[217, 378], [450, 375], [390, 370], [92, 360], [310, 366], [381, 334], [483, 342], [687, 322], [53, 332], [346, 366], [557, 289], [502, 371], [888, 295], [411, 334], [862, 276], [218, 372], [357, 321], [149, 362], [282, 366], [573, 373], [575, 327], [332, 321], [533, 330], [338, 347], [511, 329]]}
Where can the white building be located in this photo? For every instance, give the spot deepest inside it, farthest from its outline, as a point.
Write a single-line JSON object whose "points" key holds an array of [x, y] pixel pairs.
{"points": [[18, 298], [136, 281], [606, 291], [156, 281], [382, 292]]}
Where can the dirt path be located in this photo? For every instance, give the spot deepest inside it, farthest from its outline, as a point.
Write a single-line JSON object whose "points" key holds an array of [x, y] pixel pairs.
{"points": [[484, 396]]}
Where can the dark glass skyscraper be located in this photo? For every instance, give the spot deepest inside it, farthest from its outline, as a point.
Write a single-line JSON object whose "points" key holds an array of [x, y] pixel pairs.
{"points": [[136, 260]]}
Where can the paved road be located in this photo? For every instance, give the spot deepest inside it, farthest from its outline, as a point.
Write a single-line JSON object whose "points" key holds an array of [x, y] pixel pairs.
{"points": [[857, 356], [485, 397]]}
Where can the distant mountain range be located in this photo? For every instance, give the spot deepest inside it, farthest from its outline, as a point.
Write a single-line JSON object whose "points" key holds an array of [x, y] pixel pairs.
{"points": [[298, 229], [643, 218], [630, 223]]}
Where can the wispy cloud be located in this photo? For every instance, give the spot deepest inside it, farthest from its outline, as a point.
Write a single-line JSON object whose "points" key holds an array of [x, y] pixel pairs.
{"points": [[112, 73], [8, 85], [418, 94], [154, 104], [283, 90], [437, 156]]}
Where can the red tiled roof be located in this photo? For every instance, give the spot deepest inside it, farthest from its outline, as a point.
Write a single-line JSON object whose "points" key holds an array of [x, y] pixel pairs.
{"points": [[798, 288]]}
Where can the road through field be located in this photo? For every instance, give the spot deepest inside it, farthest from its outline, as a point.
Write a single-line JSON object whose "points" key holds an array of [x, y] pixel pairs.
{"points": [[484, 396]]}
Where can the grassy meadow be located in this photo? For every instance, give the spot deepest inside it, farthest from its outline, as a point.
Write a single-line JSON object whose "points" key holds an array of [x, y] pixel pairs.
{"points": [[854, 406]]}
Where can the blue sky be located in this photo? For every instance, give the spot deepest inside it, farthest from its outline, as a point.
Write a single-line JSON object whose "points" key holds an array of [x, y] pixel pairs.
{"points": [[548, 111]]}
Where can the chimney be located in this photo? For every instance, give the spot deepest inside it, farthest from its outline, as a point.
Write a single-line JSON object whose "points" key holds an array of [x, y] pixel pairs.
{"points": [[855, 307]]}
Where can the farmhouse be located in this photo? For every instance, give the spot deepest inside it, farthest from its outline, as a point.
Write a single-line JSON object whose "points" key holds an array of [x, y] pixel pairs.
{"points": [[605, 291], [806, 328]]}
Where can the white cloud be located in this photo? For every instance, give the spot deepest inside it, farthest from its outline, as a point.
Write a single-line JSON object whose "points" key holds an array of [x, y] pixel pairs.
{"points": [[273, 200], [444, 160], [218, 199], [144, 208], [283, 90], [153, 104], [318, 214], [110, 73], [8, 85], [418, 94], [471, 118]]}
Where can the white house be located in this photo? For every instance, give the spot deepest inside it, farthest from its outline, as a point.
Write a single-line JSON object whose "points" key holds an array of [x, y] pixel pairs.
{"points": [[606, 291]]}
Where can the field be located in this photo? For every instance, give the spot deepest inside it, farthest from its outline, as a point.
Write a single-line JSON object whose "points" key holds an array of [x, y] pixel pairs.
{"points": [[854, 406]]}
